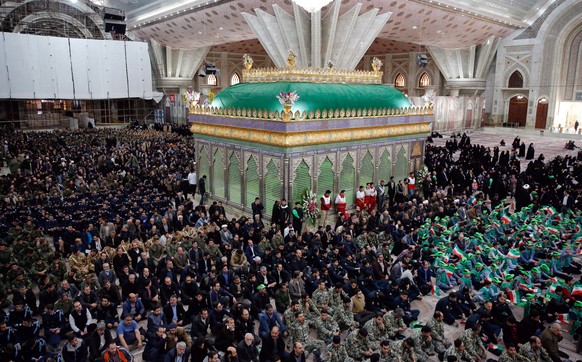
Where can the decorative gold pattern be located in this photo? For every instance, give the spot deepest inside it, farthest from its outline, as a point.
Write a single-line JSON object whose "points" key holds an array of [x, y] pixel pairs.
{"points": [[297, 139], [416, 151], [312, 115], [311, 75]]}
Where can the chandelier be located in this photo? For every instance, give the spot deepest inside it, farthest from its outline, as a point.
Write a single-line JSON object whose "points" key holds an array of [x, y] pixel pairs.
{"points": [[312, 5]]}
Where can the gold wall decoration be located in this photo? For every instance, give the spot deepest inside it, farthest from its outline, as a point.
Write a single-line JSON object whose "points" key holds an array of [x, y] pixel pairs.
{"points": [[299, 139], [275, 115], [311, 75]]}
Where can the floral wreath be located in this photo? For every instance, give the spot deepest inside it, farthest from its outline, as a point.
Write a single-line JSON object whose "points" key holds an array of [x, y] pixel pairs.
{"points": [[310, 206]]}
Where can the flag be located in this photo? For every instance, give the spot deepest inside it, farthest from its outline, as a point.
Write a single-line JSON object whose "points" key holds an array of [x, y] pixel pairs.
{"points": [[479, 247], [550, 210], [577, 290], [529, 288], [505, 219], [459, 253], [553, 288], [436, 290], [449, 270], [552, 230], [514, 254], [513, 296], [577, 228], [564, 318]]}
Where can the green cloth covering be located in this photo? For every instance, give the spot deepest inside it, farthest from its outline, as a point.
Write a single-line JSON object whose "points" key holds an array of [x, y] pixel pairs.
{"points": [[312, 96]]}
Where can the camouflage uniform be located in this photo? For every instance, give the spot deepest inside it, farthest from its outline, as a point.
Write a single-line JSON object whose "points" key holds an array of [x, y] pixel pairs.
{"points": [[299, 332], [339, 354], [461, 355], [393, 323], [389, 357], [438, 335], [375, 333], [505, 357], [472, 342], [405, 354], [289, 316], [321, 297], [356, 346], [326, 328], [79, 262], [156, 252], [336, 298], [539, 354], [344, 317], [423, 346], [311, 313]]}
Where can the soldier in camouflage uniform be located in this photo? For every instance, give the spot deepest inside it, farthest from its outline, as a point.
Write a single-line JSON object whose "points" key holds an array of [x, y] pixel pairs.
{"points": [[436, 325], [394, 323], [358, 345], [458, 350], [344, 315], [337, 296], [405, 350], [309, 308], [362, 240], [299, 332], [156, 250], [423, 343], [326, 327], [336, 352], [473, 342], [289, 314], [386, 353], [511, 355], [321, 296], [377, 330], [534, 351], [38, 270], [5, 257]]}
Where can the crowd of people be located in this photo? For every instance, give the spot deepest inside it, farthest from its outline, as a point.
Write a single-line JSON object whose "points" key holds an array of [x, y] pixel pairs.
{"points": [[106, 251]]}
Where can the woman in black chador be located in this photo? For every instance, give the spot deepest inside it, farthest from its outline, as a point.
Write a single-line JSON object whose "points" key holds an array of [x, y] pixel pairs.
{"points": [[530, 152], [522, 150]]}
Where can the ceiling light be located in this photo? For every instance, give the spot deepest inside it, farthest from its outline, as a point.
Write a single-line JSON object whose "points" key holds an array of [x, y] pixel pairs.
{"points": [[312, 5], [415, 27]]}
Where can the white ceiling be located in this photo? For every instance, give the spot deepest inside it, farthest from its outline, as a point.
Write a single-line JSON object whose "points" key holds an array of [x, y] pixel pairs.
{"points": [[218, 23]]}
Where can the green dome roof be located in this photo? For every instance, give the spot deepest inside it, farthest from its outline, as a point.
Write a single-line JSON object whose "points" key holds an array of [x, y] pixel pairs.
{"points": [[312, 96]]}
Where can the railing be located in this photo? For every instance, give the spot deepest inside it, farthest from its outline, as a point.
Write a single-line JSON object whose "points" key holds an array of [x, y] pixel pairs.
{"points": [[311, 115], [317, 75]]}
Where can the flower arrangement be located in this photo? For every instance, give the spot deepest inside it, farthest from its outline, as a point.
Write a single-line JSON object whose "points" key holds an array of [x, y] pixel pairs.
{"points": [[247, 60], [428, 99], [291, 55], [422, 172], [287, 98], [310, 206], [377, 64], [330, 64], [190, 97]]}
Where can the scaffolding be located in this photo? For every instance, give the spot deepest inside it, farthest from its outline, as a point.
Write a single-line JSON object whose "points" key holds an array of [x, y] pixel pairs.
{"points": [[63, 19]]}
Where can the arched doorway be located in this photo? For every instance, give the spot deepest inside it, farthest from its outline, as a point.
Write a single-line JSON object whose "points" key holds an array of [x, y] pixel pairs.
{"points": [[542, 113], [517, 113]]}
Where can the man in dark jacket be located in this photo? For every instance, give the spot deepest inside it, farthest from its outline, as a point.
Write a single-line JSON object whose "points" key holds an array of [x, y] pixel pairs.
{"points": [[96, 348], [180, 351], [247, 349], [273, 346]]}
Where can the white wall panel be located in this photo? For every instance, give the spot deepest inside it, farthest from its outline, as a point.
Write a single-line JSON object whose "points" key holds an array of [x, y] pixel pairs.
{"points": [[45, 87], [115, 65], [60, 60], [20, 57], [4, 80], [96, 69], [135, 68], [80, 63], [59, 68]]}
